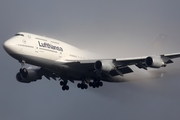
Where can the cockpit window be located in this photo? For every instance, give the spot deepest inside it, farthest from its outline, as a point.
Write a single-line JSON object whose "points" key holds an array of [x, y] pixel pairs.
{"points": [[18, 35]]}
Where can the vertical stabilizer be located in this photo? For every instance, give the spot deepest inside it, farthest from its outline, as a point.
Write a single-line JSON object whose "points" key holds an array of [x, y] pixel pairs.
{"points": [[158, 44]]}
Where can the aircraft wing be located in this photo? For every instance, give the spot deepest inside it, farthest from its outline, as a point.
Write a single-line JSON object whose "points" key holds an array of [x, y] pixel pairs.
{"points": [[166, 58], [121, 66], [113, 67]]}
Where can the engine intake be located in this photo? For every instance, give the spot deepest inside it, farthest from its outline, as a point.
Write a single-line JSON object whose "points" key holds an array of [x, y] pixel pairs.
{"points": [[104, 65], [155, 62], [27, 75]]}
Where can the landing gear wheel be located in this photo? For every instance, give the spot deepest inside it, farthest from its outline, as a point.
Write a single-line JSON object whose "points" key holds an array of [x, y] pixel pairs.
{"points": [[85, 86], [61, 83], [100, 84], [82, 87], [90, 84], [79, 85], [65, 87]]}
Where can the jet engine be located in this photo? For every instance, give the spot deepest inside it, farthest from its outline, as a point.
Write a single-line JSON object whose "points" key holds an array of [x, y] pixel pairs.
{"points": [[155, 62], [27, 75], [104, 65]]}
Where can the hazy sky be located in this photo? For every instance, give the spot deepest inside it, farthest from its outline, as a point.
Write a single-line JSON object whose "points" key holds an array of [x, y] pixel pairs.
{"points": [[116, 28]]}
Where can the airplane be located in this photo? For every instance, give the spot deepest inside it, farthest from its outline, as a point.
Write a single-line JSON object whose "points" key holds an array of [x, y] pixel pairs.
{"points": [[58, 60]]}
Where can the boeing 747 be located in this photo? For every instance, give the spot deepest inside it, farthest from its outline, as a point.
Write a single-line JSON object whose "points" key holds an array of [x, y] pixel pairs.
{"points": [[58, 60]]}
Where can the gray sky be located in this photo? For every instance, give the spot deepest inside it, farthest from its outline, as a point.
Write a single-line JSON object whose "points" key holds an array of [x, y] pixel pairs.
{"points": [[116, 28]]}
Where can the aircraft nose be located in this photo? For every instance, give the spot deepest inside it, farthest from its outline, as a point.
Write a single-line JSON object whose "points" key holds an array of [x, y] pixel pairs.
{"points": [[7, 46]]}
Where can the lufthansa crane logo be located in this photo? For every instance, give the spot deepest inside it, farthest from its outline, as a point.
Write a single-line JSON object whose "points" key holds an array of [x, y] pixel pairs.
{"points": [[24, 41]]}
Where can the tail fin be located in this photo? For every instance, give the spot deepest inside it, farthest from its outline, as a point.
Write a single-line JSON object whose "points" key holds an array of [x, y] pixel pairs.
{"points": [[158, 44]]}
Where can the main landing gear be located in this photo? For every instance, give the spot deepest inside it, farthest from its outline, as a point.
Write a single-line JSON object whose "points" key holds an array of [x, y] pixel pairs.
{"points": [[64, 85], [94, 84], [82, 85]]}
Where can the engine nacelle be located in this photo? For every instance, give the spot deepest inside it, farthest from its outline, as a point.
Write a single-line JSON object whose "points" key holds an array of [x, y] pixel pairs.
{"points": [[155, 62], [104, 65], [27, 75]]}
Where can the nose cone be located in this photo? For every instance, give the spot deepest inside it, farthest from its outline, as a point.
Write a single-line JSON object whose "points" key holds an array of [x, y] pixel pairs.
{"points": [[8, 46]]}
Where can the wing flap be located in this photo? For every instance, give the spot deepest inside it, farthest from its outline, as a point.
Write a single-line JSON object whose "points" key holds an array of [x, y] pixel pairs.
{"points": [[125, 70], [141, 65]]}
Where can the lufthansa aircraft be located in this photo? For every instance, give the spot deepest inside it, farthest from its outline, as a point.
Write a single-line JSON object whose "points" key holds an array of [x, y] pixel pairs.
{"points": [[58, 60]]}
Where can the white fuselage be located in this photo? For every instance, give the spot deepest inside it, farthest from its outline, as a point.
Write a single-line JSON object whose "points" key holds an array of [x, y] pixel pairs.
{"points": [[53, 54], [44, 48]]}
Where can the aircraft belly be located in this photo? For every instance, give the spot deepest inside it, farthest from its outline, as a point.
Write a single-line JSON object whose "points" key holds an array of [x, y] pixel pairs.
{"points": [[34, 60]]}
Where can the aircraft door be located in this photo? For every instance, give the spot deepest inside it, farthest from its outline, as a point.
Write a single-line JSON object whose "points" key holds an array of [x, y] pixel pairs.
{"points": [[60, 55], [22, 44]]}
